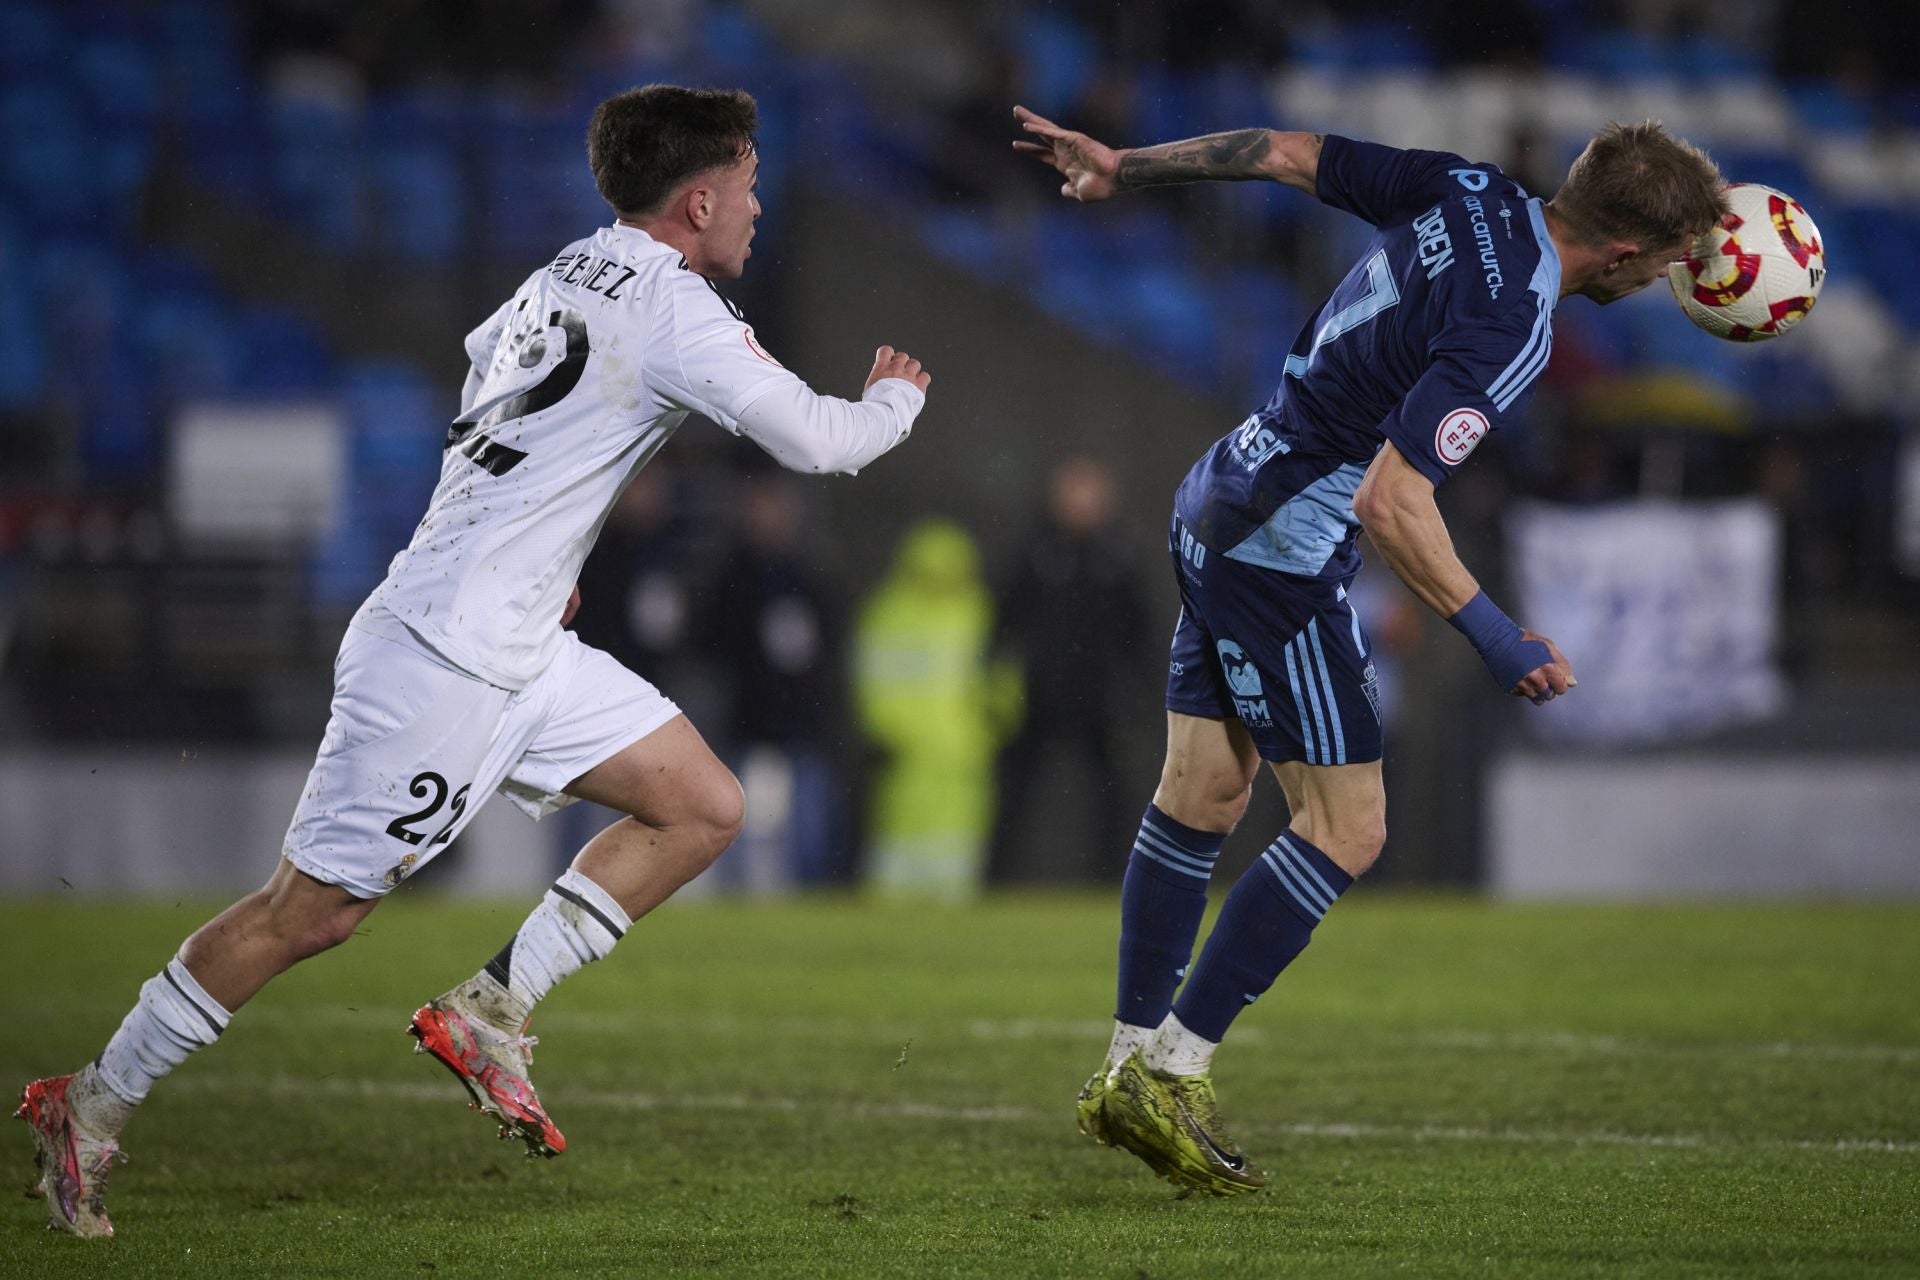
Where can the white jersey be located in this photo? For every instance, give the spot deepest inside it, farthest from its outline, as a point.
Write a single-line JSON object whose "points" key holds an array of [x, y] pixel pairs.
{"points": [[577, 381]]}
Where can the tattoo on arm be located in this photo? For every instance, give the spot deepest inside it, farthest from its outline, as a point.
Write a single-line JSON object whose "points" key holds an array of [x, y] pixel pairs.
{"points": [[1221, 157]]}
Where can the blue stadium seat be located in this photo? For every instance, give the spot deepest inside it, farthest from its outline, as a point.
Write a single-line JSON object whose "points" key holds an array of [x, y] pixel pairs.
{"points": [[735, 42], [421, 209], [317, 169], [187, 341], [33, 40], [350, 561], [23, 353], [398, 418], [1774, 166], [1175, 315], [1830, 107], [1391, 46], [120, 80], [45, 163], [280, 353], [1058, 59], [968, 238]]}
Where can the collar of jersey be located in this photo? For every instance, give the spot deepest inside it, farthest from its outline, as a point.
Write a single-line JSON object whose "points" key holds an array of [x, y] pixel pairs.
{"points": [[1549, 256], [646, 241]]}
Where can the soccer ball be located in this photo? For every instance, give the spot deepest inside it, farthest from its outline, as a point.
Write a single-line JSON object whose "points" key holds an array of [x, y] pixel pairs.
{"points": [[1755, 275]]}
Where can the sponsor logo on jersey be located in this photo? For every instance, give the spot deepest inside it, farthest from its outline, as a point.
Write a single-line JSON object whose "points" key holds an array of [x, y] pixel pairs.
{"points": [[1457, 435], [1243, 680], [753, 345], [1255, 442], [1483, 240], [1471, 179]]}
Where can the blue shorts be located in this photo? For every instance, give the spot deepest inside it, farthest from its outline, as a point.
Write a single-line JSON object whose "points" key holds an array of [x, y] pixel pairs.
{"points": [[1284, 654]]}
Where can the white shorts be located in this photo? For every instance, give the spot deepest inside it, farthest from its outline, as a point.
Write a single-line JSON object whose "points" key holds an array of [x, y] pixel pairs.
{"points": [[413, 748]]}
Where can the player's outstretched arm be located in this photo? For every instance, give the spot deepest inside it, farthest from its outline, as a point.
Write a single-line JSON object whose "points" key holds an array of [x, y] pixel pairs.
{"points": [[1395, 505], [1095, 171], [806, 431]]}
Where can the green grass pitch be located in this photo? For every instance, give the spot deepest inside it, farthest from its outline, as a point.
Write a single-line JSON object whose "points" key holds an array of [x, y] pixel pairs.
{"points": [[1441, 1087]]}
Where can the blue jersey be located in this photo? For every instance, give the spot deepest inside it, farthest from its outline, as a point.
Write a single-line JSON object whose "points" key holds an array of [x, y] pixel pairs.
{"points": [[1433, 340]]}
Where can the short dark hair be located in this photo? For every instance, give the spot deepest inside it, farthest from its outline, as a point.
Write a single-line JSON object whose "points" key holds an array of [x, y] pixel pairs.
{"points": [[1639, 183], [644, 142]]}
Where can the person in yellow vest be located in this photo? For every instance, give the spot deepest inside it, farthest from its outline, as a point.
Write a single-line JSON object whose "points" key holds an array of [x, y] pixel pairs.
{"points": [[927, 697]]}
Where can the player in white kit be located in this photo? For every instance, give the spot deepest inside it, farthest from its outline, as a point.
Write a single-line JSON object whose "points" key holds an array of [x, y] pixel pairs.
{"points": [[456, 678]]}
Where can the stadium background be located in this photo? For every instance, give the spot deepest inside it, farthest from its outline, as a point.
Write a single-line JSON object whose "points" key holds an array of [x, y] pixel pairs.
{"points": [[240, 244]]}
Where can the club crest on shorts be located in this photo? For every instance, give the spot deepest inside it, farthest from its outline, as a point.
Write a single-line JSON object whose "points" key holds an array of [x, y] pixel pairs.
{"points": [[1457, 435], [400, 870]]}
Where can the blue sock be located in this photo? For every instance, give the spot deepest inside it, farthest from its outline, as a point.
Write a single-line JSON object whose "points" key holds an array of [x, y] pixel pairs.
{"points": [[1162, 899], [1267, 920]]}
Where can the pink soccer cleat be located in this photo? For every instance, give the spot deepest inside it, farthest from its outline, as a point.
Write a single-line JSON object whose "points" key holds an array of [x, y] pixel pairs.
{"points": [[73, 1163], [493, 1065]]}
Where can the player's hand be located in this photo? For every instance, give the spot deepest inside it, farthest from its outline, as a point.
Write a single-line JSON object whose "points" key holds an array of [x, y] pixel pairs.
{"points": [[1547, 682], [888, 363], [573, 607], [1091, 168]]}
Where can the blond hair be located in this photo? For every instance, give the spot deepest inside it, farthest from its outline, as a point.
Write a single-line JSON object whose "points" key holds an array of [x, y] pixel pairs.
{"points": [[1640, 184]]}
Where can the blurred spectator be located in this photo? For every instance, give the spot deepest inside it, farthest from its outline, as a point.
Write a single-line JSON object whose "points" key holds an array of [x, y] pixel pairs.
{"points": [[928, 699], [1071, 618], [637, 591], [776, 632]]}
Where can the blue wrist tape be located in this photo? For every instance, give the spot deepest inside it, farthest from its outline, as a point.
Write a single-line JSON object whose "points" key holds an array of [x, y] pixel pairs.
{"points": [[1497, 639]]}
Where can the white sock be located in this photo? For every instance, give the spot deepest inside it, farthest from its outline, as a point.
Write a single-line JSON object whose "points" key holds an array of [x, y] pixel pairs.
{"points": [[1126, 1038], [576, 923], [1176, 1051], [173, 1017]]}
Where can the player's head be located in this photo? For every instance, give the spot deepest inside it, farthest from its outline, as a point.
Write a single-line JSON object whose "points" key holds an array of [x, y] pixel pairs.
{"points": [[682, 162], [1636, 197]]}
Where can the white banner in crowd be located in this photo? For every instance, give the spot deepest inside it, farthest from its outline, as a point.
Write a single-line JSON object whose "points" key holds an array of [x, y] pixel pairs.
{"points": [[1668, 611]]}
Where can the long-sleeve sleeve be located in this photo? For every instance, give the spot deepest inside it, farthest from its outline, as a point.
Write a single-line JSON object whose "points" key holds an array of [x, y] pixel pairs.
{"points": [[806, 431]]}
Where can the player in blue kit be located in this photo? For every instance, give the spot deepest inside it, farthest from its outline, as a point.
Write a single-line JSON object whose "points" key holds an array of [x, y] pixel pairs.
{"points": [[1434, 340]]}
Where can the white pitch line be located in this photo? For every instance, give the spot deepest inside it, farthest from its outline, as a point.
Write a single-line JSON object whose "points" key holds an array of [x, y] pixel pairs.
{"points": [[367, 1089], [1098, 1030]]}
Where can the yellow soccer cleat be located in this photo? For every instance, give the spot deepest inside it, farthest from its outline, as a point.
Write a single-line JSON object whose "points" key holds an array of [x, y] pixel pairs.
{"points": [[1092, 1103], [1174, 1124]]}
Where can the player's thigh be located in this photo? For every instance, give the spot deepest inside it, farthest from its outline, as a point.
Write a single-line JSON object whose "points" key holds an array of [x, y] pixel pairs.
{"points": [[670, 778], [1209, 767], [1341, 808], [410, 750], [608, 736]]}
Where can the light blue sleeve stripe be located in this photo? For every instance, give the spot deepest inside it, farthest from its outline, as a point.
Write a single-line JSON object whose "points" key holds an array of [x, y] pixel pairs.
{"points": [[1171, 866], [1300, 706], [1307, 866], [1512, 393], [1528, 352], [1326, 683], [1313, 694], [1280, 875], [1291, 882], [1173, 851]]}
